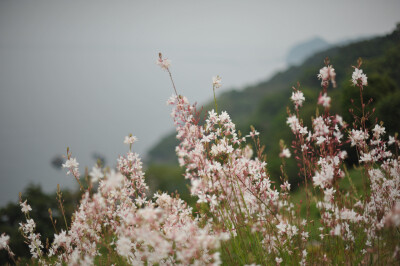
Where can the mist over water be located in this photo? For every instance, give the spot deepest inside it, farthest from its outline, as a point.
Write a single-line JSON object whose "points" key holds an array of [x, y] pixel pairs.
{"points": [[83, 74]]}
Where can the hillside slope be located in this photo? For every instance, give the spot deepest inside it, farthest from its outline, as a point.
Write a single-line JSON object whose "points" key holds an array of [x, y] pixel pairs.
{"points": [[264, 105]]}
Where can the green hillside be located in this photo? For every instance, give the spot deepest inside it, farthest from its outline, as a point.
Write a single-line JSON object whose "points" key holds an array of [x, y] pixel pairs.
{"points": [[264, 105]]}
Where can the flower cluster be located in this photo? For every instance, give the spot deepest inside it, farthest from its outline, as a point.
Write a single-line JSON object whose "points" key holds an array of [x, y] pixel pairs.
{"points": [[159, 230], [233, 185], [28, 231], [322, 160], [4, 240]]}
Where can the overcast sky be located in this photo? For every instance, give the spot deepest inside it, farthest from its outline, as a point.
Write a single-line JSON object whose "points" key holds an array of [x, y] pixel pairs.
{"points": [[82, 73]]}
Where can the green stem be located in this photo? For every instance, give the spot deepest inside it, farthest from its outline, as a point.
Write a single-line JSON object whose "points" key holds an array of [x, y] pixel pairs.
{"points": [[215, 101]]}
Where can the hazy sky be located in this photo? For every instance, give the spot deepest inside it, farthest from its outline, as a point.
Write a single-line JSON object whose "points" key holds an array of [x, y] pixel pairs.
{"points": [[82, 73]]}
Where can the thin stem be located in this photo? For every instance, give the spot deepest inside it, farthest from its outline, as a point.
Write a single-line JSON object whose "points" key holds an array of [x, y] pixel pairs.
{"points": [[60, 202], [172, 80], [215, 101], [52, 221]]}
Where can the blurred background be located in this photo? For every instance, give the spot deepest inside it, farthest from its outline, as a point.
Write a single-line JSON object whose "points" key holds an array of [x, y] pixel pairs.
{"points": [[82, 74]]}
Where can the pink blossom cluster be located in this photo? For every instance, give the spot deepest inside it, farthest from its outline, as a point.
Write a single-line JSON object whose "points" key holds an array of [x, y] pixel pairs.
{"points": [[214, 160], [160, 230], [321, 156], [231, 180], [4, 244]]}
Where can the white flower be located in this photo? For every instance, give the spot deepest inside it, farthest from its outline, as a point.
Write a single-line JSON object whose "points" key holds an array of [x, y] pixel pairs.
{"points": [[303, 130], [164, 200], [4, 241], [140, 201], [71, 163], [217, 82], [391, 140], [202, 198], [60, 239], [285, 153], [329, 194], [164, 63], [325, 176], [304, 253], [378, 131], [304, 235], [213, 200], [247, 152], [293, 123], [129, 140], [366, 157], [224, 117], [343, 155], [25, 208], [339, 120], [357, 137], [285, 186], [96, 174], [324, 100], [278, 260], [393, 217], [114, 180], [357, 76], [253, 134], [336, 231], [351, 215], [298, 98], [124, 246], [281, 227], [326, 74], [320, 140]]}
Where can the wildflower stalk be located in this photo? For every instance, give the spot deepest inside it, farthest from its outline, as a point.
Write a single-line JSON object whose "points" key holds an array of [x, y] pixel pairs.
{"points": [[164, 63], [215, 100], [61, 206], [52, 221], [172, 81]]}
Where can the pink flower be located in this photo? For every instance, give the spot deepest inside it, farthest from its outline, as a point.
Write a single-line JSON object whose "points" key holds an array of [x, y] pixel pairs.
{"points": [[72, 165], [298, 98], [25, 208], [4, 241], [130, 140], [326, 74], [359, 77], [217, 82], [164, 63], [324, 100], [285, 153]]}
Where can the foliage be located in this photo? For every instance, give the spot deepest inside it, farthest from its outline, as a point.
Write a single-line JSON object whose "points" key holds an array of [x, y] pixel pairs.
{"points": [[41, 202]]}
